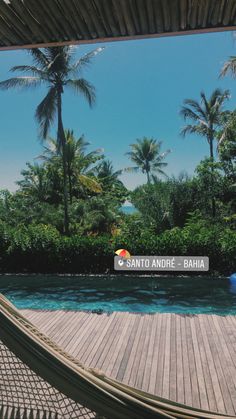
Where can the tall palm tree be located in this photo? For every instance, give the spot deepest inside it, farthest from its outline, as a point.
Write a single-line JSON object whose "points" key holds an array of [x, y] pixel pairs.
{"points": [[206, 118], [147, 156], [56, 68]]}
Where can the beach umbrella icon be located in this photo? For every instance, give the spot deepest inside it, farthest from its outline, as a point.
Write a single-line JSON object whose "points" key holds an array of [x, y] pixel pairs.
{"points": [[123, 253]]}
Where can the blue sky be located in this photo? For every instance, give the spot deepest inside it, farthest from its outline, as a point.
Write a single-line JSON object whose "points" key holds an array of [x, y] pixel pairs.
{"points": [[140, 88]]}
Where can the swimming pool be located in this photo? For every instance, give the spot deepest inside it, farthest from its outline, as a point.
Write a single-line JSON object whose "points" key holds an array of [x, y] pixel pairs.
{"points": [[121, 293]]}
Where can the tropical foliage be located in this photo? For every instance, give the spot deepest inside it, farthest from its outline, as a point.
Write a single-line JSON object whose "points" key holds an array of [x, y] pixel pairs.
{"points": [[56, 68], [67, 212]]}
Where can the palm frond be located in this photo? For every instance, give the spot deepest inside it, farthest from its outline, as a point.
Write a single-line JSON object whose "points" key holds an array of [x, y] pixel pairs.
{"points": [[217, 97], [186, 113], [192, 129], [225, 95], [39, 57], [20, 82], [35, 71], [46, 111], [157, 165], [229, 67], [90, 183], [161, 172], [83, 87], [162, 156], [85, 60], [194, 106]]}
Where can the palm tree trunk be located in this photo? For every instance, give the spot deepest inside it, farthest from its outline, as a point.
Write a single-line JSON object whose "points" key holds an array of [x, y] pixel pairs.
{"points": [[211, 149], [213, 201], [70, 185], [62, 141], [148, 177]]}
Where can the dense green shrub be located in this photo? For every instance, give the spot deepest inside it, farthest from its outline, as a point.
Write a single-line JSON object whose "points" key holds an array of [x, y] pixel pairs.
{"points": [[197, 238], [41, 248]]}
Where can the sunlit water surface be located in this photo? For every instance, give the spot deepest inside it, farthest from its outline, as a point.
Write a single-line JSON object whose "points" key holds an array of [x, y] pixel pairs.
{"points": [[121, 293]]}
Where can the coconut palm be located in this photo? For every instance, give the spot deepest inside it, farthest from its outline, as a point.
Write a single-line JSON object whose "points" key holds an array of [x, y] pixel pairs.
{"points": [[56, 68], [206, 118], [35, 182], [106, 174], [112, 186], [79, 164], [147, 156]]}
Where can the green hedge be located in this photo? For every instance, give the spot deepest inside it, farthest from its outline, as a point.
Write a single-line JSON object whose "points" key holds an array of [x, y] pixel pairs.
{"points": [[41, 248], [216, 242]]}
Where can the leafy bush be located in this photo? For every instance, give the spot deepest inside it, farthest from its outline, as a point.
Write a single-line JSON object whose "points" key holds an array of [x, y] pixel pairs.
{"points": [[197, 238], [41, 248]]}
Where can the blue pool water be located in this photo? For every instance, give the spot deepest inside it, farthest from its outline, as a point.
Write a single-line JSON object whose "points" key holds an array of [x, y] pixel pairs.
{"points": [[122, 293]]}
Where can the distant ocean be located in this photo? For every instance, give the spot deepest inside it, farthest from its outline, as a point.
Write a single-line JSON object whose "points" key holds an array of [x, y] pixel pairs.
{"points": [[128, 209]]}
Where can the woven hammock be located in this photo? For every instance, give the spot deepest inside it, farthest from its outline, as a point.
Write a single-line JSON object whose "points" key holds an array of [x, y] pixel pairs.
{"points": [[39, 380]]}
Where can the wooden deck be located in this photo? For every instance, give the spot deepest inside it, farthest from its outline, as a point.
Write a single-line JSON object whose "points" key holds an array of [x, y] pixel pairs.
{"points": [[190, 359]]}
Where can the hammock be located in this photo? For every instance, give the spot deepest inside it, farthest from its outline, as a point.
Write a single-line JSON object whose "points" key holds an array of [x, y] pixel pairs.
{"points": [[39, 380]]}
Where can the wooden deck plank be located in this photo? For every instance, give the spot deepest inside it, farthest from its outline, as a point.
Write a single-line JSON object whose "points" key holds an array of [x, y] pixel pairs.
{"points": [[123, 342], [80, 335], [161, 357], [230, 326], [212, 367], [167, 352], [60, 330], [72, 335], [205, 367], [199, 369], [96, 346], [102, 347], [227, 327], [149, 354], [112, 351], [179, 361], [144, 351], [107, 341], [186, 370], [226, 361], [173, 359], [155, 365], [133, 362], [190, 359], [47, 322], [192, 365], [219, 359], [83, 342], [125, 359]]}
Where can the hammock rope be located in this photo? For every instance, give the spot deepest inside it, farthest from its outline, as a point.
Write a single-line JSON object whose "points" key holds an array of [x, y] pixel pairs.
{"points": [[40, 380]]}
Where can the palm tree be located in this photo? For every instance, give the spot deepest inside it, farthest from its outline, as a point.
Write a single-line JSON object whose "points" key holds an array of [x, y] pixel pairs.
{"points": [[206, 118], [147, 156], [107, 175], [78, 162], [35, 182], [57, 69]]}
